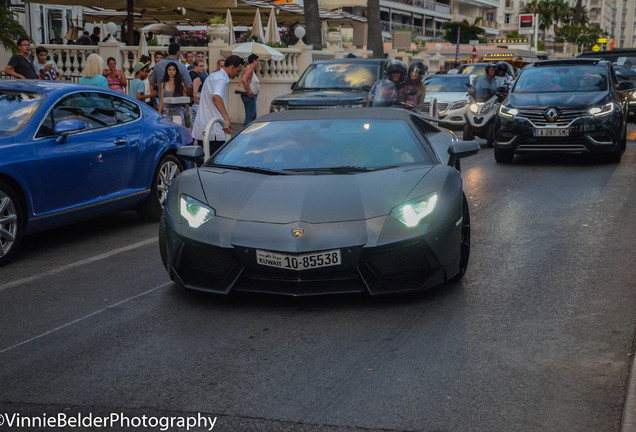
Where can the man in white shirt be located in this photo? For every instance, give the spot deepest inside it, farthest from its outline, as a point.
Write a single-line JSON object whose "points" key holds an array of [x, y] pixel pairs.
{"points": [[213, 104]]}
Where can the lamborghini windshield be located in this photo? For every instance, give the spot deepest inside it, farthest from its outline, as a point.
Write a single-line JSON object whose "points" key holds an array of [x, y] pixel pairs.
{"points": [[334, 145]]}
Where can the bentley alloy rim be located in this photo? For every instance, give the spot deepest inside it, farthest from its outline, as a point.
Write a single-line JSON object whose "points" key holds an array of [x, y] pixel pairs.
{"points": [[169, 171], [8, 224]]}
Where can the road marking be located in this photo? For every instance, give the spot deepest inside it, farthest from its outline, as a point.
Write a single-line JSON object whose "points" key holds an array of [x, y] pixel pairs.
{"points": [[77, 264], [92, 314]]}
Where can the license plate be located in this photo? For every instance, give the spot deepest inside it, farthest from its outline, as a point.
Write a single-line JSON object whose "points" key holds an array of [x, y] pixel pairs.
{"points": [[298, 262], [552, 132]]}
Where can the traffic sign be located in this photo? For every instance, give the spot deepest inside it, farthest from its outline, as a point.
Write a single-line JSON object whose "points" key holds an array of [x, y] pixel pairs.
{"points": [[611, 44], [596, 48], [474, 52], [601, 40]]}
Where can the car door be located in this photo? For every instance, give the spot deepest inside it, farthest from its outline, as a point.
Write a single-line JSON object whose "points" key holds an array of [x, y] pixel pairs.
{"points": [[84, 169]]}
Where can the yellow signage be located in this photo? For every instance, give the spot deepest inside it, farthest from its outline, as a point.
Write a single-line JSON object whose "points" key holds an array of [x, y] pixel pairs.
{"points": [[498, 55], [510, 41], [601, 40], [596, 48]]}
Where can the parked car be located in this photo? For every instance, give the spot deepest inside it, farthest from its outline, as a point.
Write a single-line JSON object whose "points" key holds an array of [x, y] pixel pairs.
{"points": [[451, 94], [70, 152], [574, 105], [332, 84], [307, 202], [624, 61]]}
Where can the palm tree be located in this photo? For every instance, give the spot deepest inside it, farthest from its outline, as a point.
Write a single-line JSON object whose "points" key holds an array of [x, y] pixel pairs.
{"points": [[312, 21], [374, 36], [11, 30]]}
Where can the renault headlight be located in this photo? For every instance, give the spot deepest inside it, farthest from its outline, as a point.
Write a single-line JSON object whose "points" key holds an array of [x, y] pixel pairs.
{"points": [[411, 213], [507, 111], [277, 108], [602, 110], [474, 108], [195, 212]]}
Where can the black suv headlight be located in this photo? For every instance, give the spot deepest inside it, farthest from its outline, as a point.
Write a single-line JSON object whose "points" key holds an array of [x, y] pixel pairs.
{"points": [[507, 111]]}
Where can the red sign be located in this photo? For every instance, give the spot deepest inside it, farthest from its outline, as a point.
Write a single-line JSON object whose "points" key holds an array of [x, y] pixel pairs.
{"points": [[474, 52], [611, 45]]}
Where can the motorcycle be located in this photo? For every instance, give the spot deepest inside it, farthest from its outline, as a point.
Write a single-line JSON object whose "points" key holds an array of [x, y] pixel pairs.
{"points": [[482, 111]]}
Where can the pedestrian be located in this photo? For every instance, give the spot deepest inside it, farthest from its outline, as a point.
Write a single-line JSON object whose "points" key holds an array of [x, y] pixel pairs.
{"points": [[441, 71], [172, 86], [95, 37], [92, 72], [158, 57], [116, 79], [251, 85], [174, 54], [455, 69], [213, 103], [189, 58], [46, 70], [198, 76], [220, 63], [137, 87], [20, 65]]}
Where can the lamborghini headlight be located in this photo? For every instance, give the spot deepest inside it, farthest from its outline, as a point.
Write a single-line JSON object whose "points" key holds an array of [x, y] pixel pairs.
{"points": [[411, 213], [507, 111], [277, 108], [195, 212], [602, 110]]}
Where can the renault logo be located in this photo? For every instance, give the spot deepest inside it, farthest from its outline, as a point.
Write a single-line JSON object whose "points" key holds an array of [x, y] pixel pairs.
{"points": [[296, 233], [551, 114]]}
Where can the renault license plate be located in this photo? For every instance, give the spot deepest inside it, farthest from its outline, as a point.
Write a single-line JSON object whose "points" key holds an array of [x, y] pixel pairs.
{"points": [[552, 132], [298, 262]]}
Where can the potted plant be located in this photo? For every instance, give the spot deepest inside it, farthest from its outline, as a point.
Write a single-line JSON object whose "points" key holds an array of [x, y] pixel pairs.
{"points": [[217, 28]]}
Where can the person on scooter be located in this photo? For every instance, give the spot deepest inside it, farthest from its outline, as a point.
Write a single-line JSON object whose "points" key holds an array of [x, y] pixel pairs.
{"points": [[489, 81], [396, 72], [502, 72], [415, 76]]}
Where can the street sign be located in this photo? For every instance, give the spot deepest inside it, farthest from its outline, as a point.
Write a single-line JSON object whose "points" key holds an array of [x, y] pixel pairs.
{"points": [[596, 48], [474, 52], [473, 42], [526, 23], [601, 40], [611, 45]]}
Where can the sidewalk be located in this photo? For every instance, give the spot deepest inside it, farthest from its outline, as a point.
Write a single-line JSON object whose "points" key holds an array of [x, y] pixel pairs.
{"points": [[629, 410]]}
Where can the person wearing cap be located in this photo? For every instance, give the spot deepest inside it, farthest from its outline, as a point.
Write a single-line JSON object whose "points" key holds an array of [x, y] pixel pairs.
{"points": [[137, 88]]}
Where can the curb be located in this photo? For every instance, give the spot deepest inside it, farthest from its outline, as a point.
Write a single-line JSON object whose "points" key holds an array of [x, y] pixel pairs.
{"points": [[629, 410]]}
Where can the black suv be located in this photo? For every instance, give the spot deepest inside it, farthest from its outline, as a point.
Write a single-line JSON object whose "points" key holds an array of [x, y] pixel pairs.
{"points": [[332, 84], [624, 61], [572, 106]]}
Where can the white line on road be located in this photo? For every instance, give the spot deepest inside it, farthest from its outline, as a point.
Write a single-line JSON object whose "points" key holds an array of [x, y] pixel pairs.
{"points": [[75, 321], [77, 264]]}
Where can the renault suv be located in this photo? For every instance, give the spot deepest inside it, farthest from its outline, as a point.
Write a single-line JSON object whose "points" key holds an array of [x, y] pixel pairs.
{"points": [[570, 106]]}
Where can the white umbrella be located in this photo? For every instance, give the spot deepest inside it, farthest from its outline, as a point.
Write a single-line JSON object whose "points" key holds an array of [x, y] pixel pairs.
{"points": [[257, 26], [271, 32], [161, 29], [228, 22], [244, 50], [143, 45]]}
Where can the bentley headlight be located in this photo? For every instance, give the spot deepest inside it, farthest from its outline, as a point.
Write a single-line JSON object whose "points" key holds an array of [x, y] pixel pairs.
{"points": [[277, 108], [411, 213], [195, 212], [474, 108], [507, 111], [602, 110]]}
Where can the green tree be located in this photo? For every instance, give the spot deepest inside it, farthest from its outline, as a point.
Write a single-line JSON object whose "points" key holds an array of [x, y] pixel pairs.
{"points": [[582, 35], [513, 35], [11, 30], [467, 32]]}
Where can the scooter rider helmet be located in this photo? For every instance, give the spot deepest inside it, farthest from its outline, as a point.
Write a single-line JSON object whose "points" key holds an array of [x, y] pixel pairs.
{"points": [[417, 67], [396, 66], [502, 66], [492, 65]]}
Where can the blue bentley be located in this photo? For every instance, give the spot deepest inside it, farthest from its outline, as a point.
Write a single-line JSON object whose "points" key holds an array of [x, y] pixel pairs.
{"points": [[70, 152]]}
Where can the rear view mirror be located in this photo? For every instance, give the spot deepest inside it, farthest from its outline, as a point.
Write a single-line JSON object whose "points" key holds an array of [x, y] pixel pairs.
{"points": [[625, 85], [461, 149], [191, 153], [64, 127]]}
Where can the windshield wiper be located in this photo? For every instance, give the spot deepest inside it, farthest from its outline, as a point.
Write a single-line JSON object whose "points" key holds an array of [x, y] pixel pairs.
{"points": [[258, 170]]}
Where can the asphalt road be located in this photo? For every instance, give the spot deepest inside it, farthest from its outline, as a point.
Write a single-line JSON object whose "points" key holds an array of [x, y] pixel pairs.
{"points": [[538, 336]]}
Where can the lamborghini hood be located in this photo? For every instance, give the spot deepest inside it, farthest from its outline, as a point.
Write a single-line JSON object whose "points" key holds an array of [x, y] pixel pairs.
{"points": [[318, 198]]}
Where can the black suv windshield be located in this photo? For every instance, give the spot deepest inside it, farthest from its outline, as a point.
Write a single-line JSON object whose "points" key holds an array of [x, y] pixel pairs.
{"points": [[338, 76], [570, 78]]}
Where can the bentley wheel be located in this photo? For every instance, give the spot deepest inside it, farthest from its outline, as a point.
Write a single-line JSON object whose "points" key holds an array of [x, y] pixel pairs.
{"points": [[168, 169], [464, 244], [11, 223]]}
